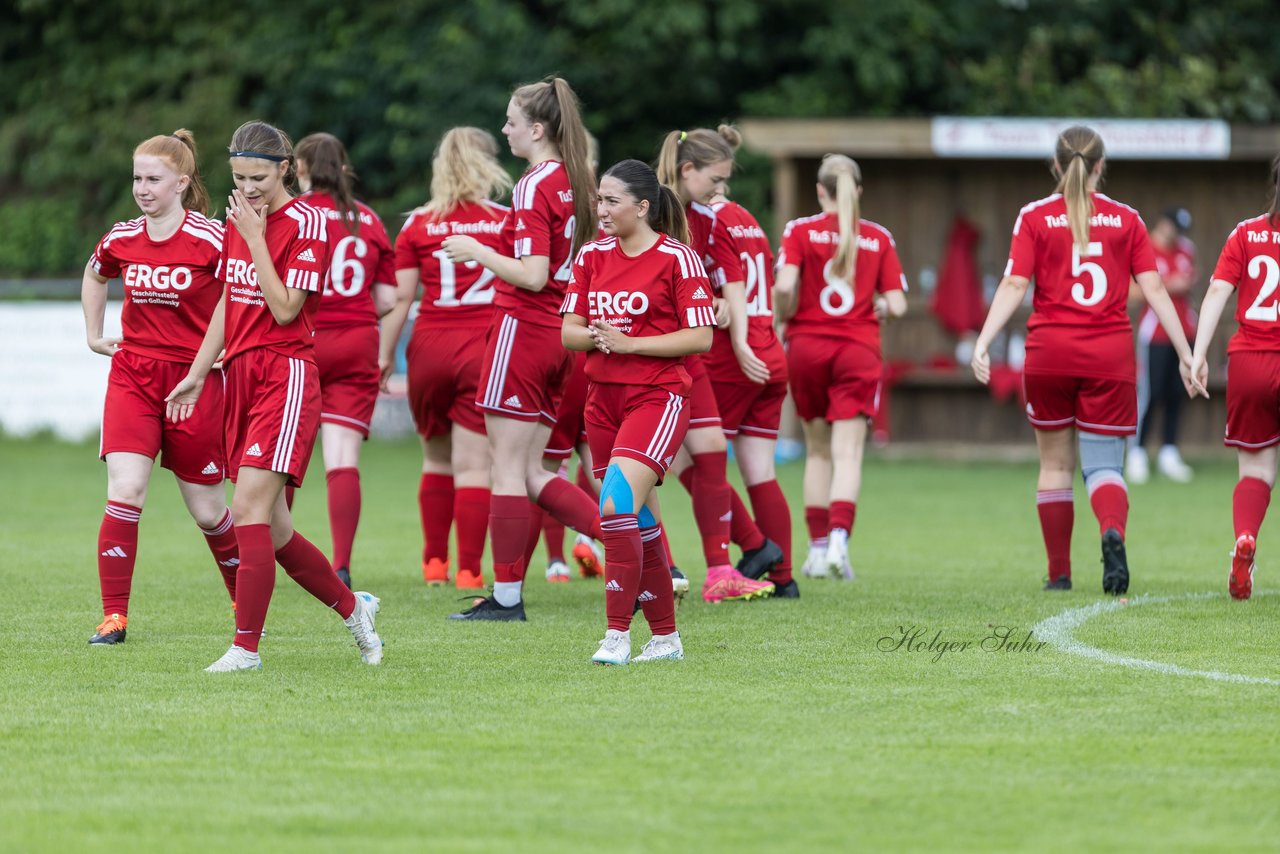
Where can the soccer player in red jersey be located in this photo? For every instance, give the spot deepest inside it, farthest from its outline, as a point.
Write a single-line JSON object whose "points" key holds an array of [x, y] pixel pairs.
{"points": [[748, 370], [447, 345], [168, 260], [275, 257], [360, 288], [1082, 248], [1250, 266], [1159, 386], [839, 278], [695, 166], [638, 303], [525, 366]]}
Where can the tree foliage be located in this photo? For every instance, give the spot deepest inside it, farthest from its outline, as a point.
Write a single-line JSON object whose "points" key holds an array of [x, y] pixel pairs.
{"points": [[85, 81]]}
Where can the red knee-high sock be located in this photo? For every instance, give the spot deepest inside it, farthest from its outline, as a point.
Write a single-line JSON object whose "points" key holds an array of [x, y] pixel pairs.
{"points": [[774, 517], [623, 558], [666, 545], [255, 581], [553, 533], [437, 505], [344, 512], [584, 481], [117, 550], [656, 597], [842, 514], [222, 542], [712, 506], [308, 566], [1057, 517], [1249, 505], [471, 509], [575, 508], [536, 515], [508, 531], [744, 529], [818, 520], [1110, 500]]}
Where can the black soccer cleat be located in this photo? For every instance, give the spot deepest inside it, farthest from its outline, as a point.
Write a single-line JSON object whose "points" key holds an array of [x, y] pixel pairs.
{"points": [[110, 631], [757, 562], [1115, 566], [790, 590], [490, 609], [1063, 583], [344, 575]]}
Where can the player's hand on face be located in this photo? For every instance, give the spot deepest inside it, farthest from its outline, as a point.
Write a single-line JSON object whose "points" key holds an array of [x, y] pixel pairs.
{"points": [[241, 214], [607, 338], [181, 402], [981, 365], [460, 248], [105, 346]]}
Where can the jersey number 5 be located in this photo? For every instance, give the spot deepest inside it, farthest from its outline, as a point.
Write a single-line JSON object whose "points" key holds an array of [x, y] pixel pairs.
{"points": [[1264, 308], [1096, 274]]}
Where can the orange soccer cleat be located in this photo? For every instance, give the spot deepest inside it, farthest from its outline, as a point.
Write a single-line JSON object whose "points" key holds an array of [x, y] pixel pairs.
{"points": [[111, 631], [589, 557], [435, 571], [468, 580]]}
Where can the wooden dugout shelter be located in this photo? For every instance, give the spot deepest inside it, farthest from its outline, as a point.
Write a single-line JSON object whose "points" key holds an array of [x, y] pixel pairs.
{"points": [[919, 173]]}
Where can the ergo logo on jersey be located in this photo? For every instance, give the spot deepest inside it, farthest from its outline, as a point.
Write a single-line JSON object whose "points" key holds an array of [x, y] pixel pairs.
{"points": [[241, 272], [157, 278], [604, 304]]}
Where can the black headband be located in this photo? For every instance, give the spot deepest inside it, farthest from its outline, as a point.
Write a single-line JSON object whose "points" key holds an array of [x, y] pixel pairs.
{"points": [[274, 158]]}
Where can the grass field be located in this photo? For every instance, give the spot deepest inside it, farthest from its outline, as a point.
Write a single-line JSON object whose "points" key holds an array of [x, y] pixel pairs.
{"points": [[786, 728]]}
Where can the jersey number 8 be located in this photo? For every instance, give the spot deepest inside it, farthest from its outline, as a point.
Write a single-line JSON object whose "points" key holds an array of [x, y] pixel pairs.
{"points": [[836, 298]]}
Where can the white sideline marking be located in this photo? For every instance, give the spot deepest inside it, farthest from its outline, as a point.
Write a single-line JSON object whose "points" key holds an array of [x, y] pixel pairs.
{"points": [[1056, 631]]}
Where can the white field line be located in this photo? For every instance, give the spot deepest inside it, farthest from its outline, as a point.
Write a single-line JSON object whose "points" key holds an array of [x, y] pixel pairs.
{"points": [[1057, 632]]}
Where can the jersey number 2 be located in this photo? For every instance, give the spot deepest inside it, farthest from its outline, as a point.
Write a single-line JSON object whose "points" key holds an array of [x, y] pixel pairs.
{"points": [[1264, 308]]}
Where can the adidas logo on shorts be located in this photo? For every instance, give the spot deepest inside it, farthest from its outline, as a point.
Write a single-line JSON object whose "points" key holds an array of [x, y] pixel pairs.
{"points": [[234, 561], [700, 293], [667, 461], [212, 468], [646, 596], [116, 551], [254, 451], [513, 402], [307, 255], [613, 586]]}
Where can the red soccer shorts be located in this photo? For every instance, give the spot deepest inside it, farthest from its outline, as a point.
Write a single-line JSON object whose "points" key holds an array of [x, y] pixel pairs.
{"points": [[444, 374], [348, 361], [1253, 400], [833, 379], [133, 419], [644, 423], [273, 413], [750, 409], [524, 371], [570, 428], [1108, 407], [703, 411]]}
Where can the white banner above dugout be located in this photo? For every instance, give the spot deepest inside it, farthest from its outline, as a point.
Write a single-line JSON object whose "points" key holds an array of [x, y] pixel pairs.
{"points": [[1126, 139]]}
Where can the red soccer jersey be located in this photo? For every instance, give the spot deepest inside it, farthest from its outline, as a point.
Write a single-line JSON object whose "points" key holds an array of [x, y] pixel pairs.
{"points": [[1179, 259], [541, 223], [745, 256], [661, 290], [298, 241], [360, 260], [826, 304], [1079, 322], [170, 286], [1250, 262], [453, 295]]}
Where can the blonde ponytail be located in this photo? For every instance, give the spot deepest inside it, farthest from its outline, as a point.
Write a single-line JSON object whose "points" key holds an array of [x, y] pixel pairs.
{"points": [[700, 146], [553, 104], [465, 168], [1076, 155], [841, 177]]}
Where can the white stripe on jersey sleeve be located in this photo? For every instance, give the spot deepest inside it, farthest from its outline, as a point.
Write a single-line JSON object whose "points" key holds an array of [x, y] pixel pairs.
{"points": [[570, 304]]}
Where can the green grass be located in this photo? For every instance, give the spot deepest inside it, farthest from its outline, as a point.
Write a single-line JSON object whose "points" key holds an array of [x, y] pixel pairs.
{"points": [[785, 728]]}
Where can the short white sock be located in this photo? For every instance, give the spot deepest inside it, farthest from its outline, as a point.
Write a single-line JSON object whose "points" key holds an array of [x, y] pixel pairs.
{"points": [[507, 592]]}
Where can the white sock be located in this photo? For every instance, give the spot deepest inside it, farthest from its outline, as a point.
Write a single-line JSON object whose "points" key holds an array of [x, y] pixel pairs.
{"points": [[507, 592]]}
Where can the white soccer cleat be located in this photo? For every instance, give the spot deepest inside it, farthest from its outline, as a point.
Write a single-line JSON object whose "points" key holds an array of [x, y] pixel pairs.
{"points": [[838, 553], [615, 649], [557, 572], [815, 565], [236, 658], [1170, 464], [662, 648], [361, 625], [1137, 469]]}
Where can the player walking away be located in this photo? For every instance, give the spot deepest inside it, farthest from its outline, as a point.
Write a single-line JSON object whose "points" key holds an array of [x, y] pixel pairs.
{"points": [[447, 345], [274, 261], [168, 260], [695, 166], [748, 370], [525, 366], [638, 303], [839, 278], [1159, 385], [1250, 265], [1082, 248], [360, 288]]}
